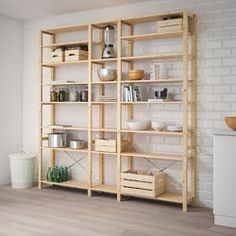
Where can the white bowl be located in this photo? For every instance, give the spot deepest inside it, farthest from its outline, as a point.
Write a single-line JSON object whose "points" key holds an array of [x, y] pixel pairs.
{"points": [[158, 125], [174, 128], [138, 124]]}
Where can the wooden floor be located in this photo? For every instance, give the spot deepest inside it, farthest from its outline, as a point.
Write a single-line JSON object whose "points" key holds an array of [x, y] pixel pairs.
{"points": [[58, 211]]}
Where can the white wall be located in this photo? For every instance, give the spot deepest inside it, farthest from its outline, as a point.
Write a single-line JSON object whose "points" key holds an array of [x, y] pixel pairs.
{"points": [[216, 75], [11, 92]]}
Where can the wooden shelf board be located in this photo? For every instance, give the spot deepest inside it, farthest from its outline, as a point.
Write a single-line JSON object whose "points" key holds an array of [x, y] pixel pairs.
{"points": [[64, 63], [152, 81], [162, 156], [101, 60], [66, 149], [167, 133], [51, 103], [150, 18], [105, 153], [66, 44], [166, 56], [105, 82], [103, 24], [69, 183], [146, 102], [65, 29], [105, 188], [167, 197], [104, 129], [66, 127], [153, 36], [66, 83], [98, 103]]}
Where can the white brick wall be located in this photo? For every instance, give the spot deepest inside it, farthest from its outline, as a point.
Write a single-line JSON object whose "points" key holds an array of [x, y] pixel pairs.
{"points": [[216, 77]]}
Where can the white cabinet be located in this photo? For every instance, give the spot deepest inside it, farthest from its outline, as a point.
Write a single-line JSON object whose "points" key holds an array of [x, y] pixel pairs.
{"points": [[224, 180]]}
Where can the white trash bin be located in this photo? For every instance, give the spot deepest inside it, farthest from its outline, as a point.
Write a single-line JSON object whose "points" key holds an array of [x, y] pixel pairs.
{"points": [[22, 167]]}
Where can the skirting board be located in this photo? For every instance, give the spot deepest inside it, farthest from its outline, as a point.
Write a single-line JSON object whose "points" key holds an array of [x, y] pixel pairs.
{"points": [[227, 221]]}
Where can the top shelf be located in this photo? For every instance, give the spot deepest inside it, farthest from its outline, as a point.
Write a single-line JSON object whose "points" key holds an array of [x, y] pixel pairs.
{"points": [[150, 18], [100, 25], [65, 29]]}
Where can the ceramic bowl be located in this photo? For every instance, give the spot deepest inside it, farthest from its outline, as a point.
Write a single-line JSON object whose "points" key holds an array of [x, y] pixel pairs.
{"points": [[138, 124], [231, 122], [158, 125]]}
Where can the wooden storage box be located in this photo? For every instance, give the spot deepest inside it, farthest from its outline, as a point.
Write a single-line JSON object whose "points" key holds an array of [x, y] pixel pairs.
{"points": [[108, 145], [76, 55], [143, 185], [171, 25], [56, 56]]}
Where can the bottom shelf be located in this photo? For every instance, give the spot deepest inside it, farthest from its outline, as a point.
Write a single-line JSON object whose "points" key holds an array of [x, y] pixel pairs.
{"points": [[105, 188], [167, 197], [69, 184]]}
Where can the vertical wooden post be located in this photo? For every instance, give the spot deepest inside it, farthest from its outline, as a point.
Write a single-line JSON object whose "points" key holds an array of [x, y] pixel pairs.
{"points": [[119, 108], [185, 112], [40, 168], [90, 37], [101, 115], [53, 107], [193, 106], [130, 107]]}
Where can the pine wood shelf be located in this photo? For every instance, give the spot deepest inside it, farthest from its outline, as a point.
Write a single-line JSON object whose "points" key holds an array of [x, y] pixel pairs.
{"points": [[105, 188], [104, 82], [153, 36], [104, 153], [66, 127], [69, 184], [153, 102], [161, 81], [66, 44], [153, 132], [66, 83], [66, 149], [126, 55], [166, 56], [104, 129], [166, 197], [52, 103], [160, 156], [64, 63]]}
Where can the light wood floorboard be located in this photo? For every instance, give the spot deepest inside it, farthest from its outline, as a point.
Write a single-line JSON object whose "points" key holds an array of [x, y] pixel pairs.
{"points": [[58, 211]]}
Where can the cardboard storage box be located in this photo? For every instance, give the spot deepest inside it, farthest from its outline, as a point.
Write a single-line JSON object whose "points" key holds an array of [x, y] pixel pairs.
{"points": [[76, 55], [143, 185]]}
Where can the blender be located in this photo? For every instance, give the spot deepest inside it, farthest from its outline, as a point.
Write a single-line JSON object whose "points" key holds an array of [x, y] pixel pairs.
{"points": [[109, 38]]}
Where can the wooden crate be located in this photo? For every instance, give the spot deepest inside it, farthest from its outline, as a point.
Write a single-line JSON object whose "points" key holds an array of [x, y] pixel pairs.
{"points": [[142, 185], [56, 56], [76, 55], [171, 25]]}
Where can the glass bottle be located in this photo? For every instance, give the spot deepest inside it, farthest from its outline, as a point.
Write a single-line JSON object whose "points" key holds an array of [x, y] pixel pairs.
{"points": [[49, 175], [53, 95], [73, 94], [62, 95]]}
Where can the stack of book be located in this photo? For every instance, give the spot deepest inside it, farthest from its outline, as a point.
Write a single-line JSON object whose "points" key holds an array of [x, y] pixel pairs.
{"points": [[130, 93], [107, 99]]}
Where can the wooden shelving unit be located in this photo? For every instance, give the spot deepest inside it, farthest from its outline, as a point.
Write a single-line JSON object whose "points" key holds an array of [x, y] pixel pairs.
{"points": [[187, 157]]}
